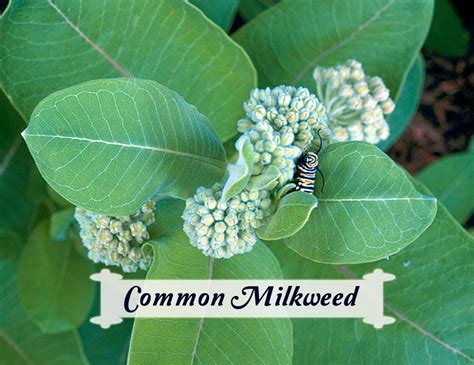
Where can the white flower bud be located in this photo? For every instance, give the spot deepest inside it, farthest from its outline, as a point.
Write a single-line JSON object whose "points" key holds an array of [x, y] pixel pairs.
{"points": [[266, 158], [210, 203], [340, 134], [381, 93], [220, 227], [259, 113], [244, 125], [388, 106], [208, 219], [284, 100], [218, 215], [384, 132]]}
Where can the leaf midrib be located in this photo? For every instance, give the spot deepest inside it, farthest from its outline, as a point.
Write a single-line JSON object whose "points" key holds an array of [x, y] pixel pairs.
{"points": [[341, 43], [57, 291], [427, 198], [210, 269], [459, 180], [349, 274], [208, 160], [15, 347], [113, 62], [9, 155]]}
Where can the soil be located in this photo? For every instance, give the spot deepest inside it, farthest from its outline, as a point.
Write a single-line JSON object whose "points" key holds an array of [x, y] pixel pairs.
{"points": [[443, 123]]}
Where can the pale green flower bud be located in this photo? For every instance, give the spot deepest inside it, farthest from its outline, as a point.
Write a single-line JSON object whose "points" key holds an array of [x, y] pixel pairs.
{"points": [[208, 219], [116, 241], [384, 132], [350, 98], [210, 203], [123, 248], [104, 236], [292, 116], [201, 229], [235, 233], [244, 125], [388, 106], [218, 215], [259, 113], [103, 222], [340, 134], [266, 158], [287, 139], [284, 100], [202, 210], [270, 146], [381, 93]]}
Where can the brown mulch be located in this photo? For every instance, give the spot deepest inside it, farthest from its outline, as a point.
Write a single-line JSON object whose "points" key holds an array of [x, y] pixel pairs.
{"points": [[444, 121]]}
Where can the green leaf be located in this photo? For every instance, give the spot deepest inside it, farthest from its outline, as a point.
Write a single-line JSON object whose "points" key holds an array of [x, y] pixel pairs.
{"points": [[210, 340], [21, 341], [266, 180], [238, 174], [53, 282], [221, 12], [60, 223], [292, 214], [369, 209], [49, 45], [447, 35], [450, 180], [430, 299], [168, 220], [84, 150], [290, 39], [105, 347], [249, 9], [18, 210], [407, 103], [56, 198]]}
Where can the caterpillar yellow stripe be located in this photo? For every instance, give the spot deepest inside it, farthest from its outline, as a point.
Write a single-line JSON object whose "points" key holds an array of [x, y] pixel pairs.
{"points": [[305, 174]]}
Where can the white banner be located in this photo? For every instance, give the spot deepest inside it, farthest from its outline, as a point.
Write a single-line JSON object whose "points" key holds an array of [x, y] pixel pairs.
{"points": [[242, 298]]}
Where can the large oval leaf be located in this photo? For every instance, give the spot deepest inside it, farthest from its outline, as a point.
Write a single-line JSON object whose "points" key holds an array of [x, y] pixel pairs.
{"points": [[450, 180], [108, 145], [210, 340], [407, 103], [447, 35], [369, 209], [48, 45], [290, 39], [18, 210], [249, 9], [21, 341], [221, 12], [291, 215], [430, 299], [105, 347], [53, 282]]}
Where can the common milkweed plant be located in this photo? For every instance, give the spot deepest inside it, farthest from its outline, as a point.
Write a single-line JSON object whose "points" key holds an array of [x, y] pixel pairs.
{"points": [[168, 146]]}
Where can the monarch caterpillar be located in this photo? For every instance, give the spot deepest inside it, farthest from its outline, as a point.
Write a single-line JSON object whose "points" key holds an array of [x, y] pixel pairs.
{"points": [[306, 169]]}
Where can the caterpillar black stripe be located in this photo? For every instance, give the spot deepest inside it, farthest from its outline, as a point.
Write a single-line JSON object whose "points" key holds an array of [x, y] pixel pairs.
{"points": [[305, 174]]}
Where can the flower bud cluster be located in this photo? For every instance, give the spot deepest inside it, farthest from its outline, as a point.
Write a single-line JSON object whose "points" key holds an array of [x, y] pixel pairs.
{"points": [[222, 229], [282, 123], [356, 104], [117, 241]]}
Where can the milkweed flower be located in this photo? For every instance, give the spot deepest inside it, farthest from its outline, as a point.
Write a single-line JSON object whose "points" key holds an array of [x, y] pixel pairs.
{"points": [[282, 123], [222, 229], [117, 241], [356, 104]]}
